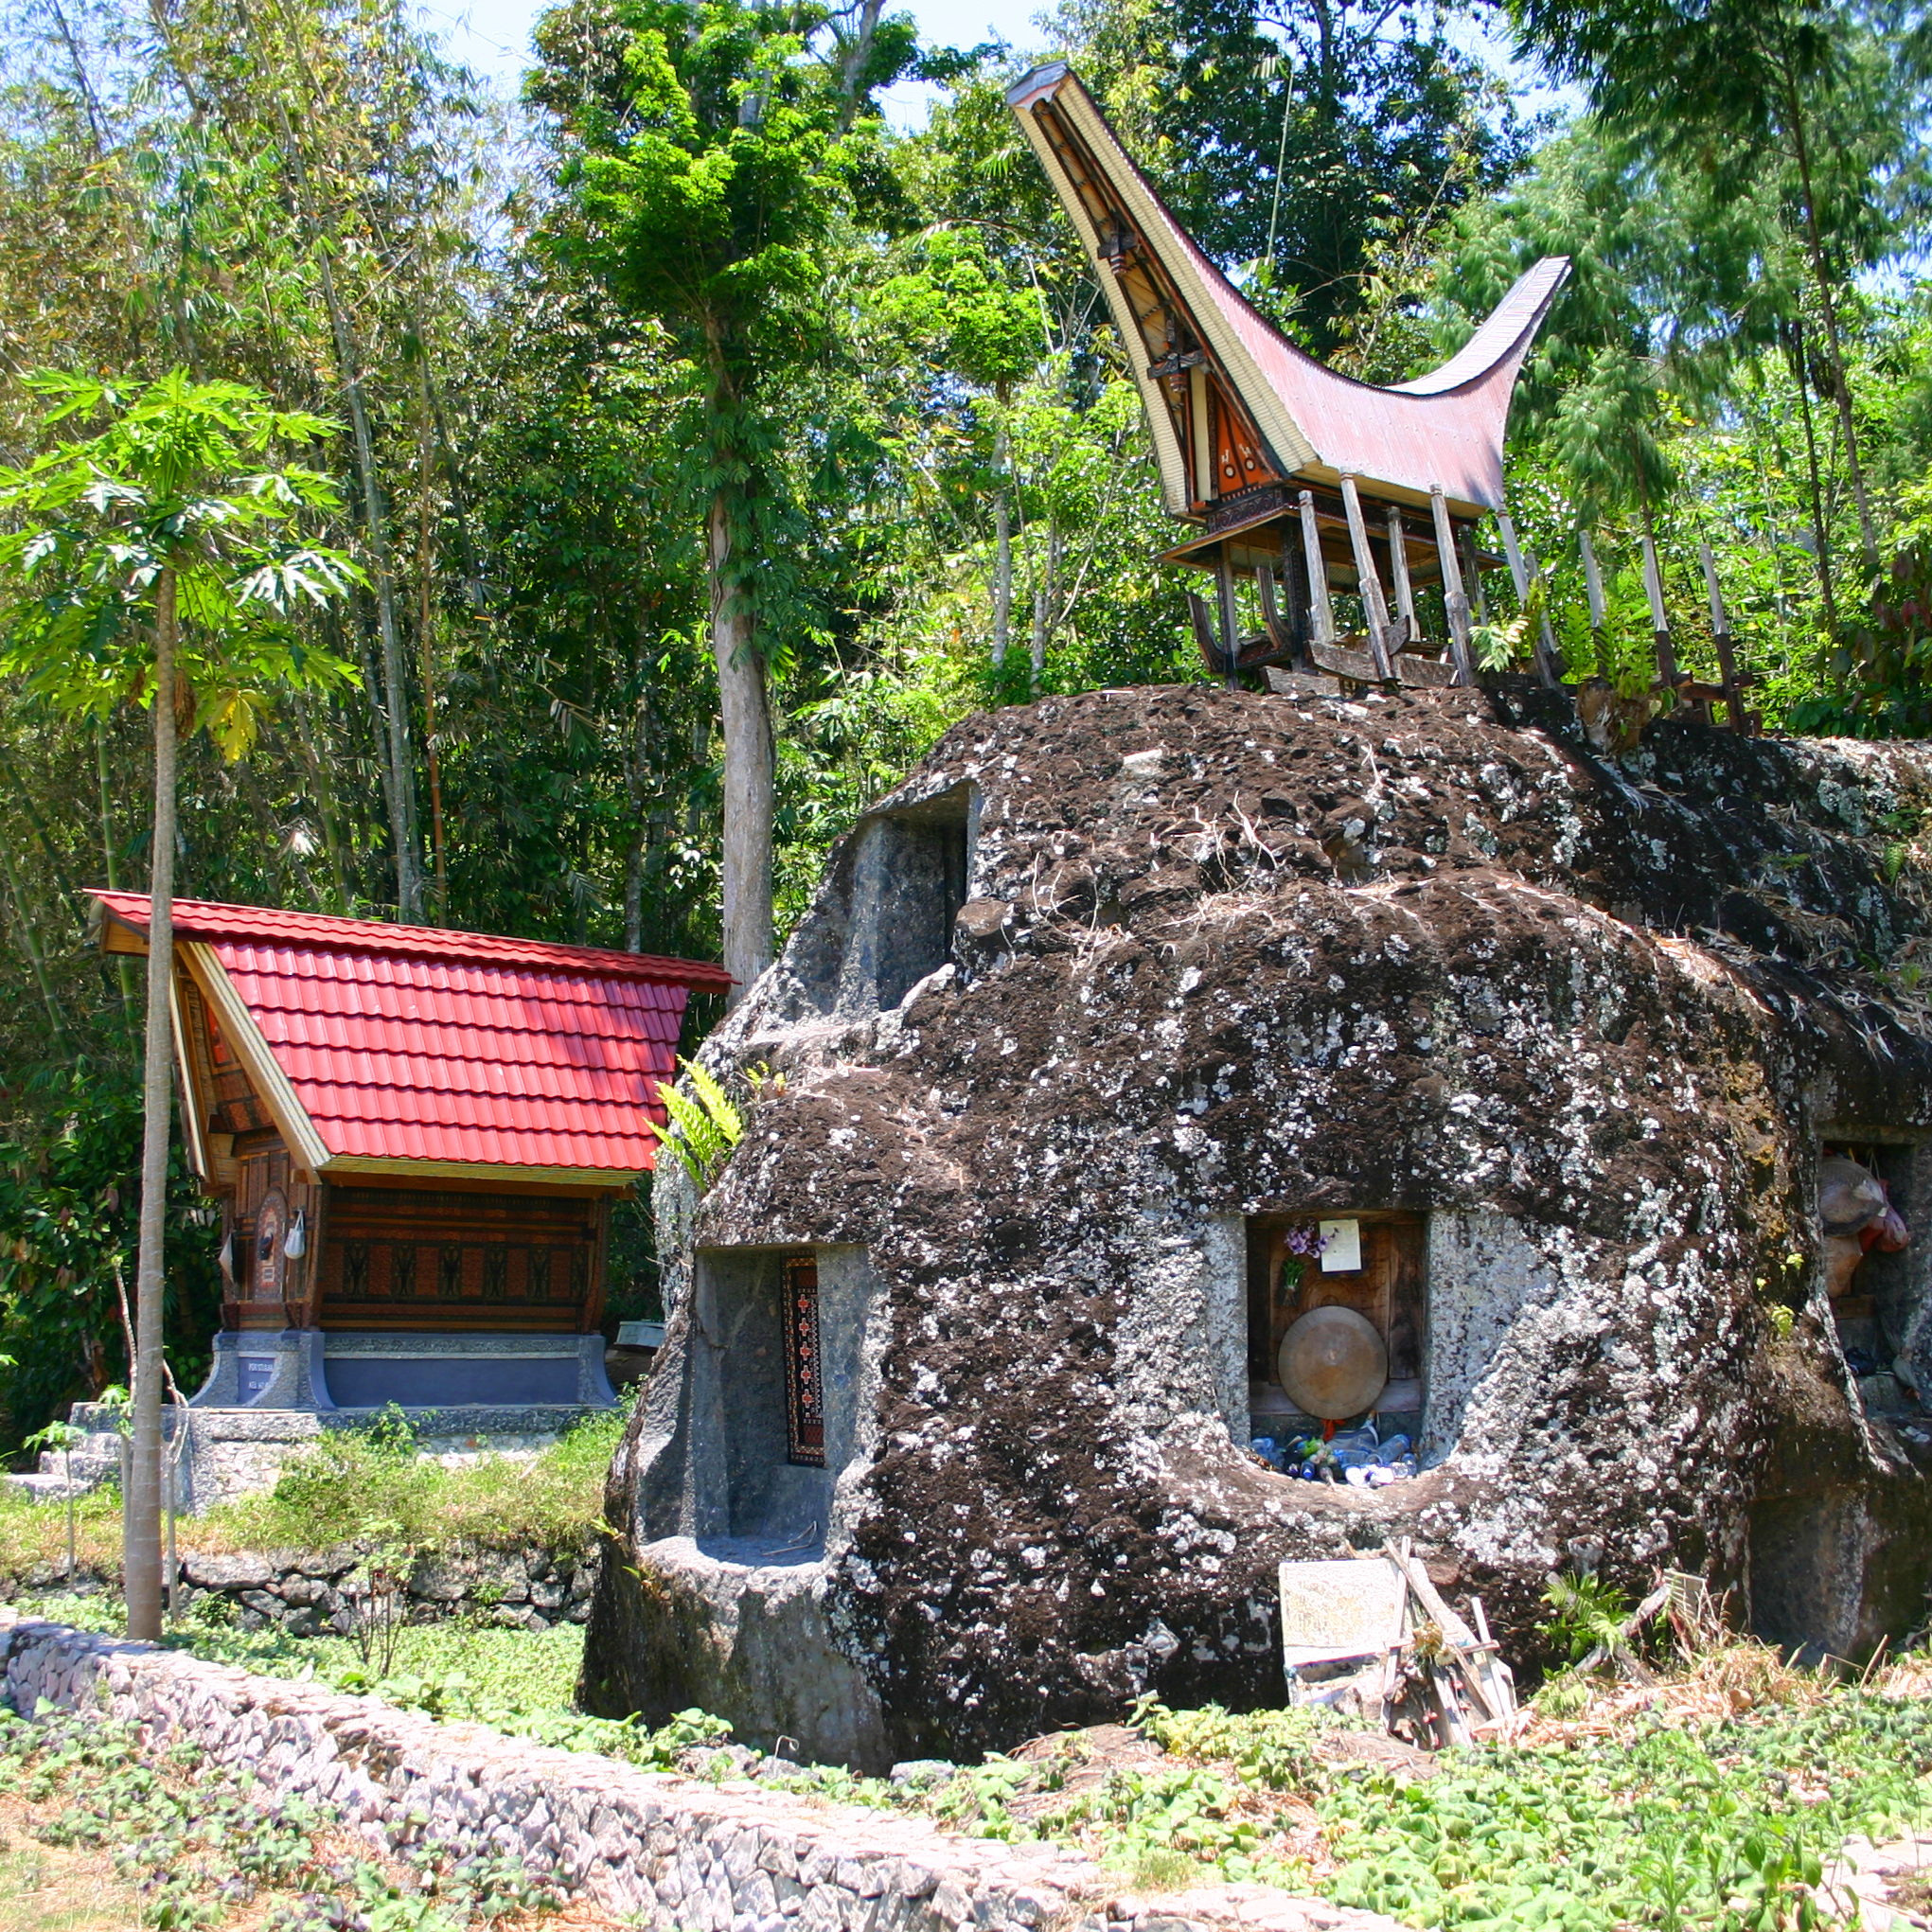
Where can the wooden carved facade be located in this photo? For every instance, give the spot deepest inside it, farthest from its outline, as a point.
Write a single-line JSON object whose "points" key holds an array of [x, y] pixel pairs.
{"points": [[411, 1130], [1294, 476], [379, 1254]]}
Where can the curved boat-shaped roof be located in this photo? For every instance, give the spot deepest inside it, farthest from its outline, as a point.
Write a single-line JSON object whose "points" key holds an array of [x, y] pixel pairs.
{"points": [[1315, 424]]}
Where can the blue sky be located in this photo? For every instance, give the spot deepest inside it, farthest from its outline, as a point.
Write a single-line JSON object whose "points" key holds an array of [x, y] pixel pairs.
{"points": [[493, 37]]}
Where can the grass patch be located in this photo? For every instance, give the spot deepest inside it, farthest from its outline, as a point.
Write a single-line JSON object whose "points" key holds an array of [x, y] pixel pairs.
{"points": [[355, 1485], [120, 1837], [521, 1681], [352, 1479], [33, 1535], [1716, 1800]]}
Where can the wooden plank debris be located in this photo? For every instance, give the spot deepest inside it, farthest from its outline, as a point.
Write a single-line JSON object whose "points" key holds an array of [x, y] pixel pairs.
{"points": [[1434, 1673]]}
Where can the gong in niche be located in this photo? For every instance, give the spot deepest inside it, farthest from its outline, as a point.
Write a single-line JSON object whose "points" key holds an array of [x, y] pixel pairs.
{"points": [[1335, 1317]]}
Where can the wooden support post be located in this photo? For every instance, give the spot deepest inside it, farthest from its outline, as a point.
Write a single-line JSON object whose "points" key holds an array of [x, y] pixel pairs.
{"points": [[1204, 640], [1726, 655], [1472, 575], [1593, 589], [1659, 621], [1279, 630], [1321, 612], [1522, 573], [1409, 629], [1229, 614], [1294, 581], [1455, 599], [1374, 609]]}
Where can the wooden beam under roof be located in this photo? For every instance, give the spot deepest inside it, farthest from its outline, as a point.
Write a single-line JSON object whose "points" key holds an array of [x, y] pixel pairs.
{"points": [[1306, 424]]}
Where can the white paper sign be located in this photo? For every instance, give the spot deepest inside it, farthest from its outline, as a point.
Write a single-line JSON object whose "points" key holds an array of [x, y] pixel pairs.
{"points": [[1332, 1610], [1341, 1247]]}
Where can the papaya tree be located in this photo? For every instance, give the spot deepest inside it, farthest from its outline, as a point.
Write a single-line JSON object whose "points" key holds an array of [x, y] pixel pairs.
{"points": [[157, 557]]}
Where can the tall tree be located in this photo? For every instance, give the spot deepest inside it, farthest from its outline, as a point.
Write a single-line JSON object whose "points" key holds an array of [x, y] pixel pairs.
{"points": [[1731, 85], [713, 151], [162, 554]]}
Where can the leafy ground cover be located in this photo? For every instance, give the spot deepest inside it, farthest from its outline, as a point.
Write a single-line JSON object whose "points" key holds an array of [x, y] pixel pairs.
{"points": [[355, 1485], [521, 1681], [1716, 1797], [114, 1837]]}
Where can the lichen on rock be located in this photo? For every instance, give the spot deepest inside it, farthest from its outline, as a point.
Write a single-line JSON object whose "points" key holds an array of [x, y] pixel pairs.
{"points": [[1109, 975]]}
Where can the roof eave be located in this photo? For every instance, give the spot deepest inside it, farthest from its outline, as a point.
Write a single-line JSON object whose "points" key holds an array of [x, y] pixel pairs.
{"points": [[342, 1167], [248, 1044]]}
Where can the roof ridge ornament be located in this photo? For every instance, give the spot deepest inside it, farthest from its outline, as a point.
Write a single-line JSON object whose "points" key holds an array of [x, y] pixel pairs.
{"points": [[1243, 421]]}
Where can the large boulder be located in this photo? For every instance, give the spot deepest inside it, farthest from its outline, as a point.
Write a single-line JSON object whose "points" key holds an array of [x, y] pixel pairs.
{"points": [[1113, 977]]}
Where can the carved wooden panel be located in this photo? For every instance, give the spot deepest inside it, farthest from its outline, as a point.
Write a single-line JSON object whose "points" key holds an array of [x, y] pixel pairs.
{"points": [[422, 1258]]}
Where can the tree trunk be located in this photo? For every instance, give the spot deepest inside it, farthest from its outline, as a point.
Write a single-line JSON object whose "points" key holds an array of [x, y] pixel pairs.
{"points": [[1043, 596], [1003, 545], [1820, 535], [636, 770], [1841, 392], [425, 629], [750, 767], [30, 942], [852, 66], [400, 790], [394, 684], [141, 1507]]}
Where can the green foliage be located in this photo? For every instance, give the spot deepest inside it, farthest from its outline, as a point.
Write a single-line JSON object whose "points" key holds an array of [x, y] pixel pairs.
{"points": [[1722, 1826], [199, 1847], [1499, 647], [69, 1195], [1165, 1825], [181, 483], [704, 1125], [354, 1485], [1274, 1749], [957, 312], [1587, 1614], [711, 161]]}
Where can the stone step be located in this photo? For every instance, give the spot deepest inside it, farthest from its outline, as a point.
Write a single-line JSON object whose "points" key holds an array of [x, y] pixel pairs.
{"points": [[44, 1488], [93, 1461]]}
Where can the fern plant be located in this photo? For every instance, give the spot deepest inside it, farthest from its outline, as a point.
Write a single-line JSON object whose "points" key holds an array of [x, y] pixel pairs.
{"points": [[1586, 1615], [703, 1127]]}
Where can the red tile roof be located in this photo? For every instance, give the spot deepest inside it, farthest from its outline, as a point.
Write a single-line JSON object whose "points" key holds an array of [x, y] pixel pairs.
{"points": [[413, 1043]]}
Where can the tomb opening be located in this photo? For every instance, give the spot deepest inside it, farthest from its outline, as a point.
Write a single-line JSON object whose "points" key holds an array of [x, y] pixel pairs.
{"points": [[776, 1411], [1337, 1332]]}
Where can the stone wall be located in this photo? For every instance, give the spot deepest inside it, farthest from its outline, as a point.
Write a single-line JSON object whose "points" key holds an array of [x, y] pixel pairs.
{"points": [[308, 1593], [664, 1849]]}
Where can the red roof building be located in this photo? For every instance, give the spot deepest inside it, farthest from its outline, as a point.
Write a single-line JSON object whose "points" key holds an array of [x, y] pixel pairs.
{"points": [[412, 1130]]}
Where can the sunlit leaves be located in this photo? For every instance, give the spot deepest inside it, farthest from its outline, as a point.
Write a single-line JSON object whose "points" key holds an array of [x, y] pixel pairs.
{"points": [[170, 485]]}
